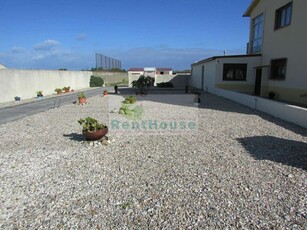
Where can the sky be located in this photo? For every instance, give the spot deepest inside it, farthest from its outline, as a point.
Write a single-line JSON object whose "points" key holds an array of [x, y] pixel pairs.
{"points": [[55, 34]]}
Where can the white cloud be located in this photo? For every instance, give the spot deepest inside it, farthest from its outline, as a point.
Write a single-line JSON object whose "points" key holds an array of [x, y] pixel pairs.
{"points": [[46, 45]]}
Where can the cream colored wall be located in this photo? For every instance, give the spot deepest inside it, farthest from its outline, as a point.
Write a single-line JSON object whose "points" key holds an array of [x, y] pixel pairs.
{"points": [[134, 75], [288, 42], [244, 86], [209, 76], [213, 74], [25, 83], [195, 78]]}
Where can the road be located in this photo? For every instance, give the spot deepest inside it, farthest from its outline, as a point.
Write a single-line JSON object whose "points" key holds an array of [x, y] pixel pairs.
{"points": [[20, 111]]}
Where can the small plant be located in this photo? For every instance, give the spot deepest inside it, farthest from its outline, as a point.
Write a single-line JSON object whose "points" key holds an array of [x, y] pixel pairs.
{"points": [[272, 94], [131, 112], [90, 124], [96, 81], [130, 100], [17, 98], [66, 89], [81, 95], [58, 90], [39, 93]]}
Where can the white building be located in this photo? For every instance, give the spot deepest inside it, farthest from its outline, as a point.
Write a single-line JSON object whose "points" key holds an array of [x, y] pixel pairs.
{"points": [[275, 59]]}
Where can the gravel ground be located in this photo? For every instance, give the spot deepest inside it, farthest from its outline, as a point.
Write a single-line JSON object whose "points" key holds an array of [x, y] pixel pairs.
{"points": [[236, 168]]}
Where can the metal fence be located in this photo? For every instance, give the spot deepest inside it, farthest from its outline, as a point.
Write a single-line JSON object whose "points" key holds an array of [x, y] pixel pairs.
{"points": [[107, 63]]}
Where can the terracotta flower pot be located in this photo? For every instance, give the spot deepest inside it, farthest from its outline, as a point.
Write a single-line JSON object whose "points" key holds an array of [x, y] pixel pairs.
{"points": [[82, 100], [93, 136]]}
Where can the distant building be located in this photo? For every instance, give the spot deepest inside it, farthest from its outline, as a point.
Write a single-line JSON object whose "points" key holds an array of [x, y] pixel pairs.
{"points": [[2, 66], [135, 73]]}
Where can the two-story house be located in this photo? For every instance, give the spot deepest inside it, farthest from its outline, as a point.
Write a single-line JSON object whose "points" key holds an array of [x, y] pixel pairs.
{"points": [[275, 59]]}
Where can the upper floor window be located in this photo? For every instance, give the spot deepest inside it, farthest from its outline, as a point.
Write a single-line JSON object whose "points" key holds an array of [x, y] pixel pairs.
{"points": [[234, 72], [283, 16], [257, 33], [278, 69]]}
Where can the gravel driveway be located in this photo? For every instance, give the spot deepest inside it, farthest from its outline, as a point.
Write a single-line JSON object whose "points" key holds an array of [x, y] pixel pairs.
{"points": [[236, 168]]}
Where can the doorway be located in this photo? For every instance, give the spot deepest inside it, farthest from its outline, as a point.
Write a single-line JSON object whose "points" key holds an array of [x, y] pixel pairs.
{"points": [[202, 77], [258, 82]]}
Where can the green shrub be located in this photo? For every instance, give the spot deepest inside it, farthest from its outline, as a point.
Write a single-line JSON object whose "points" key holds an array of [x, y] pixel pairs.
{"points": [[165, 85], [130, 100], [96, 81]]}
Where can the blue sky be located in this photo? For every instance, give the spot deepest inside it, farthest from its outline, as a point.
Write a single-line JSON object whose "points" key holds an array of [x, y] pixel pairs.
{"points": [[54, 34]]}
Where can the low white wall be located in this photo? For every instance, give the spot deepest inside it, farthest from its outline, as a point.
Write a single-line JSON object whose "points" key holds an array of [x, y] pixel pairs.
{"points": [[25, 83], [291, 113]]}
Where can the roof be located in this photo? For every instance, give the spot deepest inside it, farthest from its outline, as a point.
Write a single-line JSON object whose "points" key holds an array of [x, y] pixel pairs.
{"points": [[229, 56], [150, 69], [164, 69], [251, 8], [136, 69]]}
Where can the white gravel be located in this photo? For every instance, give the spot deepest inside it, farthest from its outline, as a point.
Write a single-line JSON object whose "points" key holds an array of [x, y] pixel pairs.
{"points": [[237, 169]]}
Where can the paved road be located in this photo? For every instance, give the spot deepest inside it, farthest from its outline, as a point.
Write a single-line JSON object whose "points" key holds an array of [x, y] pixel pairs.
{"points": [[24, 110]]}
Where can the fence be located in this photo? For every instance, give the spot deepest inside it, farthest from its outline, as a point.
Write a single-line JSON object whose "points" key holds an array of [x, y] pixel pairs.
{"points": [[107, 63]]}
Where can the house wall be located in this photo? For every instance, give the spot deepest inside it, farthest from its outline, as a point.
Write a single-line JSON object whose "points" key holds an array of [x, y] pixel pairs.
{"points": [[25, 83], [242, 86], [195, 78], [213, 74], [288, 42]]}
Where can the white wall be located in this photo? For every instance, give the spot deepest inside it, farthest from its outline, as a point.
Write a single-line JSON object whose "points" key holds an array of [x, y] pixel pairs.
{"points": [[213, 73], [25, 83], [251, 62], [195, 78], [294, 114]]}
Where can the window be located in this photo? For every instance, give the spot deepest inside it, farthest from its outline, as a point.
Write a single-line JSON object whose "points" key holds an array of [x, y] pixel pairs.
{"points": [[257, 33], [278, 69], [283, 16], [234, 72]]}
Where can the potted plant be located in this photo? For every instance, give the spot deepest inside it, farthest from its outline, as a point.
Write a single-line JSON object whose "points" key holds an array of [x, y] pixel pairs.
{"points": [[66, 89], [82, 98], [105, 92], [130, 100], [39, 94], [58, 90], [92, 129], [271, 94], [17, 98]]}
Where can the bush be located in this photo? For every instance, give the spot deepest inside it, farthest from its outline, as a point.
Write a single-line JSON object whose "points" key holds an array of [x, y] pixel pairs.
{"points": [[130, 100], [165, 85], [96, 81]]}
